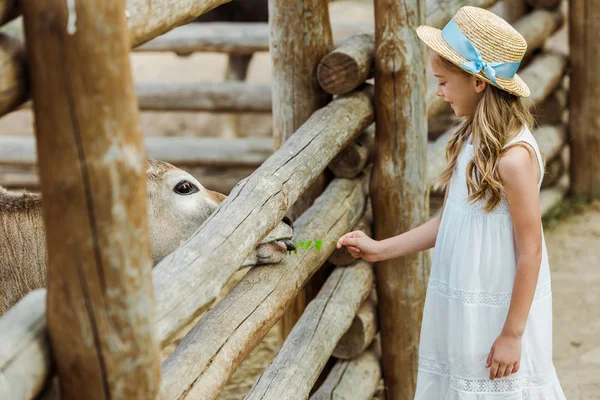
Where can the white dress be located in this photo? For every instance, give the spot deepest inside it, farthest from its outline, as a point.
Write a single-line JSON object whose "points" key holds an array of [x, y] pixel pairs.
{"points": [[467, 301]]}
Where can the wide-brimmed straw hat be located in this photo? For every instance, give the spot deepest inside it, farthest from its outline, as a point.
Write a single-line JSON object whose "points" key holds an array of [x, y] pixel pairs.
{"points": [[482, 44]]}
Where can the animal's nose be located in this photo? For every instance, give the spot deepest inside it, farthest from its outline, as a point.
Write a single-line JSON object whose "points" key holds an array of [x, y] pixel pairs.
{"points": [[289, 245], [288, 222]]}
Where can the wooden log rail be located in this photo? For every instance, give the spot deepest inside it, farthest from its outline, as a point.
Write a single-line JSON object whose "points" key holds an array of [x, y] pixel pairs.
{"points": [[248, 152], [348, 66], [214, 348], [100, 294], [355, 379], [25, 355], [361, 333], [252, 209], [147, 20], [230, 37], [295, 369], [187, 281], [213, 97], [229, 96]]}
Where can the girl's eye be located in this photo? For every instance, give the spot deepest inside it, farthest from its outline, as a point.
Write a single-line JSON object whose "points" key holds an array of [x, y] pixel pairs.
{"points": [[441, 84]]}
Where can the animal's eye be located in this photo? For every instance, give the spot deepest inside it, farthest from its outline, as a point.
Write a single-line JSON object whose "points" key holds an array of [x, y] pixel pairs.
{"points": [[185, 188]]}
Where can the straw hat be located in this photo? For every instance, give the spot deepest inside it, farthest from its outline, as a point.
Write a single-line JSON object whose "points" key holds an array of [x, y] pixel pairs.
{"points": [[492, 45]]}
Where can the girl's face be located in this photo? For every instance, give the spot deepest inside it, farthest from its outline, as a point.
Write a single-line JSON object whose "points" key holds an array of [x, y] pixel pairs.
{"points": [[460, 89]]}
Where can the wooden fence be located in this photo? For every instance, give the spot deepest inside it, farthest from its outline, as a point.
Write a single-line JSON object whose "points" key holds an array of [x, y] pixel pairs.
{"points": [[103, 342]]}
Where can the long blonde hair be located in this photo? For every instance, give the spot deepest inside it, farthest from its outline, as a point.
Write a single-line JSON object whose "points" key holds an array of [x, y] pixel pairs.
{"points": [[499, 116]]}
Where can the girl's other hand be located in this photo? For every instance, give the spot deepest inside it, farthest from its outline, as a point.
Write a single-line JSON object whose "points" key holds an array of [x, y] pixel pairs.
{"points": [[360, 245], [505, 356]]}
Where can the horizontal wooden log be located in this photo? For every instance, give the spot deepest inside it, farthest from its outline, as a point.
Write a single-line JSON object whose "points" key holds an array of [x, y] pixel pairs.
{"points": [[552, 110], [439, 124], [220, 179], [543, 76], [361, 333], [147, 20], [555, 169], [25, 359], [300, 360], [355, 379], [228, 96], [180, 151], [550, 139], [189, 279], [214, 348], [537, 26], [229, 37], [348, 66], [550, 197], [547, 4], [439, 12], [355, 157]]}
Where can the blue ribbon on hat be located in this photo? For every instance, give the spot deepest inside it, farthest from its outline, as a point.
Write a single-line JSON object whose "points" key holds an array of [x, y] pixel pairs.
{"points": [[463, 46]]}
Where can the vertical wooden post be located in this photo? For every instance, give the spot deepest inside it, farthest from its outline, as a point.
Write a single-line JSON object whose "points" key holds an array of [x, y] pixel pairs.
{"points": [[92, 172], [584, 97], [300, 37], [398, 189]]}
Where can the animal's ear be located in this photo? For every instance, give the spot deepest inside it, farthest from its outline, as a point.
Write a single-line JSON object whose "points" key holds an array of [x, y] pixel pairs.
{"points": [[217, 197]]}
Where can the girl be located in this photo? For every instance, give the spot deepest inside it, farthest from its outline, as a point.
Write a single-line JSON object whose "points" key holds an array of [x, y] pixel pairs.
{"points": [[487, 321]]}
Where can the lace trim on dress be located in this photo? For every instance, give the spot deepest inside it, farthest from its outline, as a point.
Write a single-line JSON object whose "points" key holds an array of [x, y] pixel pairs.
{"points": [[492, 299], [502, 385]]}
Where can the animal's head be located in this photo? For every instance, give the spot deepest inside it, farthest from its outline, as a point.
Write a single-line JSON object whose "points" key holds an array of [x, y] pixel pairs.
{"points": [[178, 204]]}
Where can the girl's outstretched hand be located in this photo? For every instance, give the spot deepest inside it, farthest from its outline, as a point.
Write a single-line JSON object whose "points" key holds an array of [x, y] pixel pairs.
{"points": [[504, 358], [360, 245]]}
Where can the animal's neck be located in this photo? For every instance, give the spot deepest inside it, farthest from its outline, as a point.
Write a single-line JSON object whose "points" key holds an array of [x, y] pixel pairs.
{"points": [[22, 245]]}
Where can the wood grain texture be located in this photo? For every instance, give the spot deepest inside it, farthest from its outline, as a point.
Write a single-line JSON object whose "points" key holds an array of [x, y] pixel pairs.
{"points": [[92, 163], [584, 98], [214, 348], [355, 379], [25, 357], [300, 36], [297, 365], [398, 187], [145, 20], [348, 66], [189, 279]]}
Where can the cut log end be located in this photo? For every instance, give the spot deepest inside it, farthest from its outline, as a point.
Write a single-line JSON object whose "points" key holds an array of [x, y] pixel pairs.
{"points": [[338, 73]]}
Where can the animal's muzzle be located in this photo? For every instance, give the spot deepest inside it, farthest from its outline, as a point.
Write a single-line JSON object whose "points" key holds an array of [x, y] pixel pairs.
{"points": [[289, 245]]}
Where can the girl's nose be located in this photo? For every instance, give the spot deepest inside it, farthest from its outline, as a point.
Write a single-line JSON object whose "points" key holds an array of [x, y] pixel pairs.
{"points": [[438, 91]]}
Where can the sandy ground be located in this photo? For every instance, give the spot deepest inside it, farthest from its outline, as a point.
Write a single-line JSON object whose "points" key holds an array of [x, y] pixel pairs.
{"points": [[574, 246]]}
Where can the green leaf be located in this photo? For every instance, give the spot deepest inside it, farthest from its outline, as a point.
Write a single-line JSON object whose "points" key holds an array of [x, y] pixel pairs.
{"points": [[299, 244], [318, 244], [308, 243]]}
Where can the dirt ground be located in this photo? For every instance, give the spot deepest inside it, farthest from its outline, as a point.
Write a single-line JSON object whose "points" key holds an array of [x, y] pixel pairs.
{"points": [[574, 246]]}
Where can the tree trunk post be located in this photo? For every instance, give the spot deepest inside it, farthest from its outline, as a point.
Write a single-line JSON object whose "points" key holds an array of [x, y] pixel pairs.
{"points": [[584, 106], [300, 37], [398, 188], [92, 167]]}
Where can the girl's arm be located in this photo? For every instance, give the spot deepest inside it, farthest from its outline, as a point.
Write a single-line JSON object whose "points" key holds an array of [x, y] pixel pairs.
{"points": [[519, 175], [421, 238]]}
